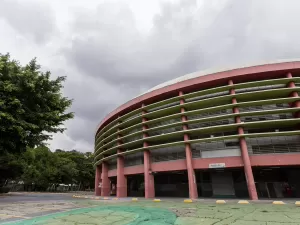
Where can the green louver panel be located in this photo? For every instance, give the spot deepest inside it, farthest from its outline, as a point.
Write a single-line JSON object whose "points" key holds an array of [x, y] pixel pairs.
{"points": [[206, 103], [196, 94], [205, 110], [207, 130], [131, 123], [269, 134]]}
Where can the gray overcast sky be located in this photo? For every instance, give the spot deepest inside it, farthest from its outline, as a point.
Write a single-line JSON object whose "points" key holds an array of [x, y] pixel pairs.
{"points": [[113, 50]]}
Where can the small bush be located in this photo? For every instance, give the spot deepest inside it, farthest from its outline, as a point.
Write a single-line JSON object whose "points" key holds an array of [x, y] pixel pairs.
{"points": [[4, 189]]}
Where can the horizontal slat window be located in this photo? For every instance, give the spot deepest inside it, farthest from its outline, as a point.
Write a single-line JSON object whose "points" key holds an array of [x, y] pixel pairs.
{"points": [[134, 159], [263, 107], [231, 146], [163, 106], [168, 154], [132, 138], [112, 164], [267, 87], [207, 96], [266, 117], [165, 131], [269, 145], [211, 123], [219, 134], [165, 122], [210, 114]]}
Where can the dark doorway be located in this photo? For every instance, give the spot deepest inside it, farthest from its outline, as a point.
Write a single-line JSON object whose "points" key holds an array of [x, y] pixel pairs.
{"points": [[171, 184], [204, 186], [277, 182], [135, 185], [240, 183], [221, 183], [113, 186]]}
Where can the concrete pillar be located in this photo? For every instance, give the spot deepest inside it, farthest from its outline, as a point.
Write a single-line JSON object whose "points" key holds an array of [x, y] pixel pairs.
{"points": [[105, 189], [193, 192], [148, 176], [97, 181], [121, 178], [294, 94], [244, 152]]}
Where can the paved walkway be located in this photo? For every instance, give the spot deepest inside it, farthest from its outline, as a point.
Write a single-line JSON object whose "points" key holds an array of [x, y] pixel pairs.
{"points": [[145, 212]]}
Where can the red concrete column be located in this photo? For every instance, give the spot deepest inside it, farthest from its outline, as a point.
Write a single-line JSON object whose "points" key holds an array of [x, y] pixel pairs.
{"points": [[105, 189], [148, 176], [97, 181], [244, 152], [294, 94], [193, 192], [121, 178]]}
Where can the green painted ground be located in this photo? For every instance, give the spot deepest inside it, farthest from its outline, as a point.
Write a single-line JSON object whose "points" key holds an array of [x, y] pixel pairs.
{"points": [[171, 213], [117, 215]]}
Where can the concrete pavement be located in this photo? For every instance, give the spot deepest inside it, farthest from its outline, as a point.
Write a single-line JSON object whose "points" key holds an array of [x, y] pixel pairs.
{"points": [[168, 211]]}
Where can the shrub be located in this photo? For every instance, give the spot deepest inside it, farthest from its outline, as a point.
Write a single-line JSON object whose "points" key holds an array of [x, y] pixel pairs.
{"points": [[4, 189]]}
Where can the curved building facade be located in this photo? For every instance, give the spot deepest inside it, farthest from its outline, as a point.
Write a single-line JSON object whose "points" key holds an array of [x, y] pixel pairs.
{"points": [[232, 133]]}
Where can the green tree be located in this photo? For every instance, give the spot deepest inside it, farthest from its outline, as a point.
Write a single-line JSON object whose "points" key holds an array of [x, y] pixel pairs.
{"points": [[85, 173], [10, 166], [32, 106], [42, 168], [39, 168]]}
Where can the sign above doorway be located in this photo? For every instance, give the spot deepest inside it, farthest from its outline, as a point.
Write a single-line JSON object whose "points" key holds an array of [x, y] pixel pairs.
{"points": [[216, 165]]}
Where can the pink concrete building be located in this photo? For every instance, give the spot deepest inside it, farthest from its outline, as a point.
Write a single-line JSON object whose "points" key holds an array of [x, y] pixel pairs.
{"points": [[232, 133]]}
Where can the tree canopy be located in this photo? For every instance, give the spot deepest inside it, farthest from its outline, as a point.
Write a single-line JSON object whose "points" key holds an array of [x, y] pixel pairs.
{"points": [[32, 106], [39, 168]]}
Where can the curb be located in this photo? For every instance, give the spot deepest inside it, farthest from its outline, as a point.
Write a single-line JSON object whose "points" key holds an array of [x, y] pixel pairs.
{"points": [[278, 203], [243, 202], [220, 201]]}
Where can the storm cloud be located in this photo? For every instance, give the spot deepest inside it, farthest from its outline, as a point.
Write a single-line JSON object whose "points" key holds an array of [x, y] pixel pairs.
{"points": [[109, 59]]}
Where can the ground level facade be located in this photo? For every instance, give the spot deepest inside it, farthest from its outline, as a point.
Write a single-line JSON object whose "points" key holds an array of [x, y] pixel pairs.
{"points": [[229, 134], [276, 180]]}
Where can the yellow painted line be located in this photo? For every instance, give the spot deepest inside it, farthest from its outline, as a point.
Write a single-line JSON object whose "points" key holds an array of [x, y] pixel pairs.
{"points": [[243, 202], [297, 203], [105, 198], [134, 199], [97, 198], [278, 203], [156, 200], [187, 200], [115, 198], [220, 201]]}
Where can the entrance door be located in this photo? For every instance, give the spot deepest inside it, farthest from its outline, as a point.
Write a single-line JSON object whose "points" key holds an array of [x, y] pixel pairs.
{"points": [[135, 186], [222, 184], [171, 184]]}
